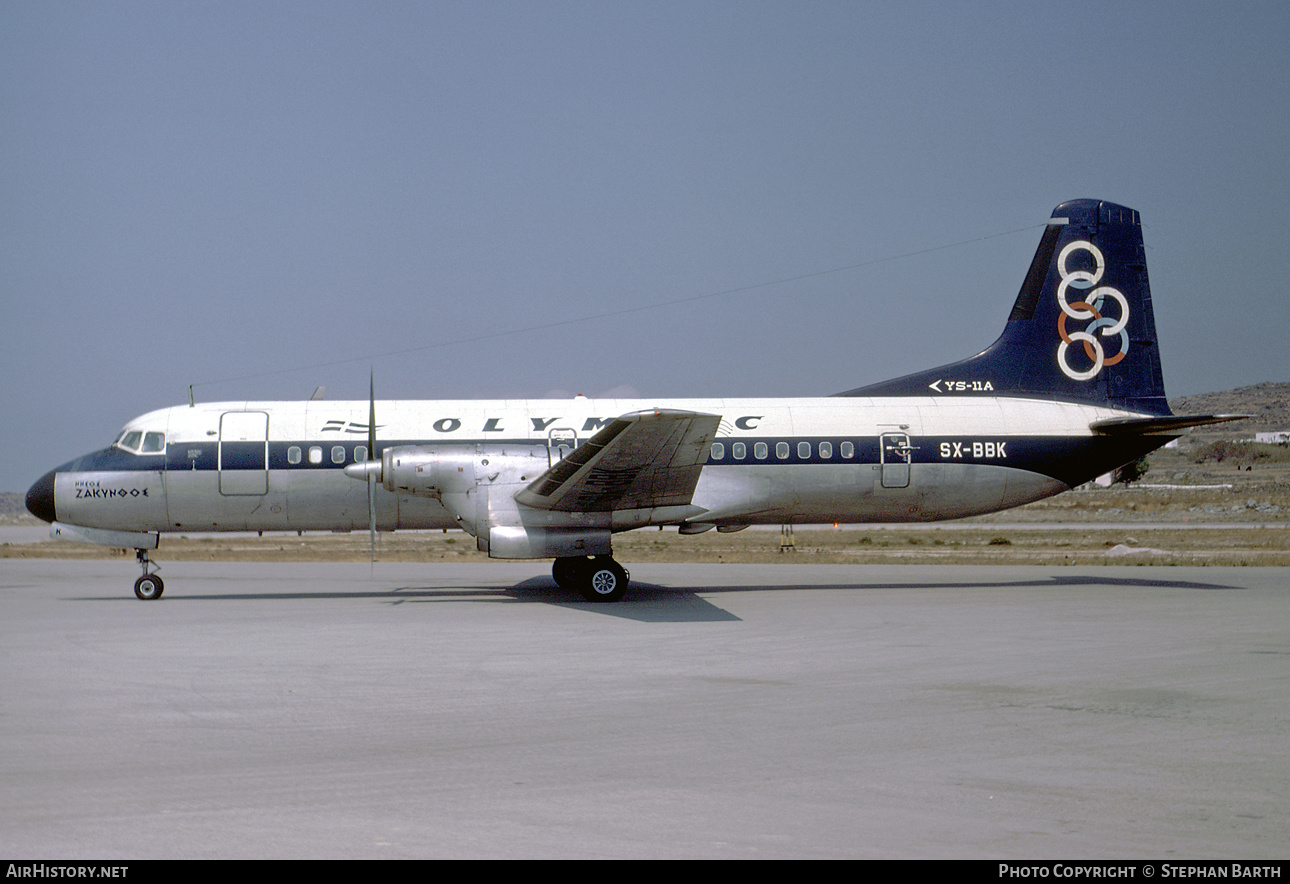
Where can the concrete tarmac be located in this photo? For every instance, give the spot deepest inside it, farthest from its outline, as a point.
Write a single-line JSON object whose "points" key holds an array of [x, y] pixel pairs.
{"points": [[309, 710]]}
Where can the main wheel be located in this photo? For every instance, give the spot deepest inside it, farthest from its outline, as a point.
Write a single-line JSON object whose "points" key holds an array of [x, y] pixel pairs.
{"points": [[603, 580], [565, 571], [149, 587]]}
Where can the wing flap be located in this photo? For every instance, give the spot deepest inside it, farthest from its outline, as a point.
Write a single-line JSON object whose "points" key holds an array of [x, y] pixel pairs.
{"points": [[642, 459]]}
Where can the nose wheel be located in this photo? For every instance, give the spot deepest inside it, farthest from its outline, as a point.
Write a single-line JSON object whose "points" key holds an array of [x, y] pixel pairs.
{"points": [[149, 586]]}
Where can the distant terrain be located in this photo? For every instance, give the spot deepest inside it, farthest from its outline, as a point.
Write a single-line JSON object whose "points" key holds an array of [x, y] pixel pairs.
{"points": [[13, 503], [1269, 403]]}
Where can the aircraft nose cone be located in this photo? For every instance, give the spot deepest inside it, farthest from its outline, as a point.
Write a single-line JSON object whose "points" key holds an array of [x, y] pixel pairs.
{"points": [[40, 498]]}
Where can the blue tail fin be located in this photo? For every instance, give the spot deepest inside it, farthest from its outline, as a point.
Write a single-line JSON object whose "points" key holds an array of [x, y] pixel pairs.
{"points": [[1082, 329]]}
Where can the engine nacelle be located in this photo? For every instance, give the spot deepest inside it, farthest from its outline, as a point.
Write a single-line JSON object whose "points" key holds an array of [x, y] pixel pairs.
{"points": [[427, 471], [547, 543], [476, 485]]}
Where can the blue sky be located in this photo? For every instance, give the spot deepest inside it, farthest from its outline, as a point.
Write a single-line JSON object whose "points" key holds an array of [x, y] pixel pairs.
{"points": [[476, 199]]}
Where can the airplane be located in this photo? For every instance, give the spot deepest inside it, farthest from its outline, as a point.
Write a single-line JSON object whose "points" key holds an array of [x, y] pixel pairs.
{"points": [[1071, 390]]}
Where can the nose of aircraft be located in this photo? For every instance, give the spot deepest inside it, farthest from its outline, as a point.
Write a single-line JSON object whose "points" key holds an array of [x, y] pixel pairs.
{"points": [[40, 498]]}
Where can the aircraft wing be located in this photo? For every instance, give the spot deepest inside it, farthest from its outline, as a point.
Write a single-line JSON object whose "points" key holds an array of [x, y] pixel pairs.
{"points": [[642, 459]]}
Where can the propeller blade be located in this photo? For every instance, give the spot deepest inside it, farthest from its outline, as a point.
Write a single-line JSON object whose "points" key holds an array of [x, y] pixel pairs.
{"points": [[371, 415], [371, 455]]}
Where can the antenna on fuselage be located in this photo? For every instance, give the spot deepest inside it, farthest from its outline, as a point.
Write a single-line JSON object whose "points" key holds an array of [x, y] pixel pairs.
{"points": [[191, 403]]}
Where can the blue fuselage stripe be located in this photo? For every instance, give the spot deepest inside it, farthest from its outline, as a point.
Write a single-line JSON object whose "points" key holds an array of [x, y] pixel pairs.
{"points": [[1070, 459]]}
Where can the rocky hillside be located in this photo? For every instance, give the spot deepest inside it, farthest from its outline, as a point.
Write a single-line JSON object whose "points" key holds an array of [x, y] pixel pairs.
{"points": [[1268, 402]]}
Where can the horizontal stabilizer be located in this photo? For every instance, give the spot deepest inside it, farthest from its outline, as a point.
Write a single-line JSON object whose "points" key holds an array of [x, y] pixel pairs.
{"points": [[1134, 426], [641, 460]]}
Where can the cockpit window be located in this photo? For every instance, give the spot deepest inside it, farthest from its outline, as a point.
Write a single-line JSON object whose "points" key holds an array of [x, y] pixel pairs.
{"points": [[139, 442]]}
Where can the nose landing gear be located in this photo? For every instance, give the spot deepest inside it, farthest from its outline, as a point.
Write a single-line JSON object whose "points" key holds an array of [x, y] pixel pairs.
{"points": [[149, 586]]}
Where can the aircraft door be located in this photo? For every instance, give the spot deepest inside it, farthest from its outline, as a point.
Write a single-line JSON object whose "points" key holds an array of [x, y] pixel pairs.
{"points": [[244, 453], [559, 443], [895, 451]]}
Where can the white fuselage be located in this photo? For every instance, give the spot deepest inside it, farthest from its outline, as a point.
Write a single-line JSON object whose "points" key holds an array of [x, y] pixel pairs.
{"points": [[280, 465]]}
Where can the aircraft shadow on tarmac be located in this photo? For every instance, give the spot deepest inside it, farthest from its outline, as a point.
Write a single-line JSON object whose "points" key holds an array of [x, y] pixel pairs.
{"points": [[1039, 582], [647, 603], [652, 603]]}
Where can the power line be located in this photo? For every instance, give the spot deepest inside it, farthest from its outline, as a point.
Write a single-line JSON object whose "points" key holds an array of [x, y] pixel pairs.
{"points": [[625, 311]]}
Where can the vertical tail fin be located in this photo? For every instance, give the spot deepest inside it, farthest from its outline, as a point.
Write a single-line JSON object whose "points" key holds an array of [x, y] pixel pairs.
{"points": [[1081, 330]]}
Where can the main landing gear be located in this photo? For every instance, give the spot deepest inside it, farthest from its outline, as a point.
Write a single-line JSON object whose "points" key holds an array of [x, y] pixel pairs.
{"points": [[149, 586], [598, 578]]}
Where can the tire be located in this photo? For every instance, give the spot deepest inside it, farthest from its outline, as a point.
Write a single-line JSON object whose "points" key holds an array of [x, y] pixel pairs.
{"points": [[603, 580], [149, 587], [565, 571]]}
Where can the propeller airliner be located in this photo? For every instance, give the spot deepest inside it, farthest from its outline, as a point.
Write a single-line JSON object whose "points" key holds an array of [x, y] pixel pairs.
{"points": [[1069, 391]]}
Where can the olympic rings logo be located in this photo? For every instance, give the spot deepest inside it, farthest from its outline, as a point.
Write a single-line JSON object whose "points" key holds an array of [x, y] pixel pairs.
{"points": [[1091, 307]]}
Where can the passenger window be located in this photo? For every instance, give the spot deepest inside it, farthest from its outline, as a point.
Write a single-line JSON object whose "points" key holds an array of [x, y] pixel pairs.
{"points": [[739, 450], [360, 454], [338, 454], [781, 450], [315, 454], [826, 450], [760, 450], [293, 454], [848, 450], [804, 450], [718, 451]]}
